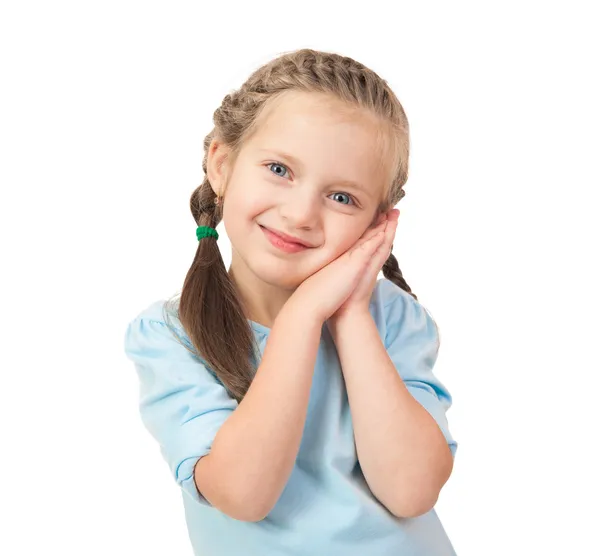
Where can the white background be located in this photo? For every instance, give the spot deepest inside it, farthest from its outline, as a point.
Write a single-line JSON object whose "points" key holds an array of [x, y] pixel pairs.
{"points": [[104, 109]]}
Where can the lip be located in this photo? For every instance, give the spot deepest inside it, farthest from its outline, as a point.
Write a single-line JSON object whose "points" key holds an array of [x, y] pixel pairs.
{"points": [[283, 242], [287, 238]]}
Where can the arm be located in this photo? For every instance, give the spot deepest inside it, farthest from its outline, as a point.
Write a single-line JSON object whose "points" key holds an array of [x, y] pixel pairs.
{"points": [[255, 449], [402, 451]]}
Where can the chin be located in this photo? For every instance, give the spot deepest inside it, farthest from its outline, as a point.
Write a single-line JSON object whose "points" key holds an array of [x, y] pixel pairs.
{"points": [[279, 278]]}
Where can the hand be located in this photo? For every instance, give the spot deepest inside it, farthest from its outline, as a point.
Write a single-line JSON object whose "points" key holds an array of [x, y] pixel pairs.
{"points": [[326, 290], [359, 300]]}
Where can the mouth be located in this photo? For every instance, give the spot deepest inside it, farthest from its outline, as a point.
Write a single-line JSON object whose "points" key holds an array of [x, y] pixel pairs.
{"points": [[283, 244]]}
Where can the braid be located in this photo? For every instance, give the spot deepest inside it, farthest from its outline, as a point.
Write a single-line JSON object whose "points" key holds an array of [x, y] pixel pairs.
{"points": [[392, 272]]}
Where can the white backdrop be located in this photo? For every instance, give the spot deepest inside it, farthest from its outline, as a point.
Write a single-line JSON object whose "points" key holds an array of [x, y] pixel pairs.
{"points": [[103, 112]]}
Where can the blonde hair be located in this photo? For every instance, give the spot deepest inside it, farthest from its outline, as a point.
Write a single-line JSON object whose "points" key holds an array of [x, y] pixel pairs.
{"points": [[209, 308]]}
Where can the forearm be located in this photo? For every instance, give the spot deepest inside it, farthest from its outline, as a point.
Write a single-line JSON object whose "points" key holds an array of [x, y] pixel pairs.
{"points": [[255, 449], [402, 451]]}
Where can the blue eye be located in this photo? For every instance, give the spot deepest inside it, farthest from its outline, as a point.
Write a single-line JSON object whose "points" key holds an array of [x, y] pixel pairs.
{"points": [[277, 164], [345, 195]]}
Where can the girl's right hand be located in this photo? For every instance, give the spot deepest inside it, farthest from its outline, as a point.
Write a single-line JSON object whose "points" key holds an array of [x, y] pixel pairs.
{"points": [[325, 291]]}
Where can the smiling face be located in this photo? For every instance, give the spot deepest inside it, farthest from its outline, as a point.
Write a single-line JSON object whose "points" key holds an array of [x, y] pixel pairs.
{"points": [[311, 170]]}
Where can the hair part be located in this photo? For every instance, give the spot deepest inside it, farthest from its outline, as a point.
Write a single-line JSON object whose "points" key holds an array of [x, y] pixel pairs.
{"points": [[209, 308]]}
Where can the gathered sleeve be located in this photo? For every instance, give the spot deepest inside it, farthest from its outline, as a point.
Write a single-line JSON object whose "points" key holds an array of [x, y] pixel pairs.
{"points": [[412, 342], [181, 403]]}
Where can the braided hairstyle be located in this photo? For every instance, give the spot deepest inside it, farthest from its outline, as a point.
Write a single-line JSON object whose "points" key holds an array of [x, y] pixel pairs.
{"points": [[209, 307]]}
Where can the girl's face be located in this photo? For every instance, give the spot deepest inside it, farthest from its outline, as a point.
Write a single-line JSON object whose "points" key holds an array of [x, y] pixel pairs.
{"points": [[293, 176]]}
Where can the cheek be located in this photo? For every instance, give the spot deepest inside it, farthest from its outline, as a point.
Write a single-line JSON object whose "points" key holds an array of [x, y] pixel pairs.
{"points": [[242, 208], [337, 244], [341, 240]]}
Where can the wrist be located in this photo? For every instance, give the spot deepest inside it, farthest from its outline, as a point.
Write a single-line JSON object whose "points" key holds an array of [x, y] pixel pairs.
{"points": [[302, 312], [348, 321]]}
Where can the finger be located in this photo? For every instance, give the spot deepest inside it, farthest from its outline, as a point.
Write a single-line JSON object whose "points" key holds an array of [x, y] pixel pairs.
{"points": [[385, 248], [369, 245], [377, 260], [373, 257], [380, 251], [372, 231], [390, 233]]}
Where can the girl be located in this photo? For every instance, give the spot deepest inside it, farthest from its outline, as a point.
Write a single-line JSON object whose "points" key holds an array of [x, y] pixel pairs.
{"points": [[292, 394]]}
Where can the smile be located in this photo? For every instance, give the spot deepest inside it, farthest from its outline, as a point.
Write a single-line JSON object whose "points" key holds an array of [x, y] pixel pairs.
{"points": [[282, 244]]}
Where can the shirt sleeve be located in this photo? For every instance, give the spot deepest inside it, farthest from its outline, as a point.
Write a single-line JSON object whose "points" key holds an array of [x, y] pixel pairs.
{"points": [[412, 342], [181, 403]]}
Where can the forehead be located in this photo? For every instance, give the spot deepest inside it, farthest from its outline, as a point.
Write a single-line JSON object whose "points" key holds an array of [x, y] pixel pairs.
{"points": [[305, 110], [326, 137]]}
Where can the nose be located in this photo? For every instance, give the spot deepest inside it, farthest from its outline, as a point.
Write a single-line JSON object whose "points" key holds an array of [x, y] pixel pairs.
{"points": [[301, 209]]}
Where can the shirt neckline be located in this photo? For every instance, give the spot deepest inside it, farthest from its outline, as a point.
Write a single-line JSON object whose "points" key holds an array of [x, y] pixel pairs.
{"points": [[259, 327]]}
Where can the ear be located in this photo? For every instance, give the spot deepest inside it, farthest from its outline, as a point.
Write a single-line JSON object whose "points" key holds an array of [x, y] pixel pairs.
{"points": [[216, 166]]}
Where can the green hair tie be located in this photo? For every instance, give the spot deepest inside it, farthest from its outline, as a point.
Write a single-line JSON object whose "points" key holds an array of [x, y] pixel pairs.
{"points": [[205, 231]]}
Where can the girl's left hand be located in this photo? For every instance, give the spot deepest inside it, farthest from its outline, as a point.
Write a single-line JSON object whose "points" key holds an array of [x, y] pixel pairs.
{"points": [[361, 296]]}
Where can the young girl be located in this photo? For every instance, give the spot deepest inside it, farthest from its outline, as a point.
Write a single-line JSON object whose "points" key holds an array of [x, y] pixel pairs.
{"points": [[292, 394]]}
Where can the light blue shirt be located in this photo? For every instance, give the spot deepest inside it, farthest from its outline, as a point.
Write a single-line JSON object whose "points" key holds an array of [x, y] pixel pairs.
{"points": [[326, 507]]}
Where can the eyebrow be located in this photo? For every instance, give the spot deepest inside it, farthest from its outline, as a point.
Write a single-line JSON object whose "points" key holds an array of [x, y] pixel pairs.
{"points": [[296, 162]]}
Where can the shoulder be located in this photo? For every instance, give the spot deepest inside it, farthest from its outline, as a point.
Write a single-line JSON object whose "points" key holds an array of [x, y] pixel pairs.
{"points": [[397, 310], [158, 322], [157, 311], [386, 291], [387, 296]]}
